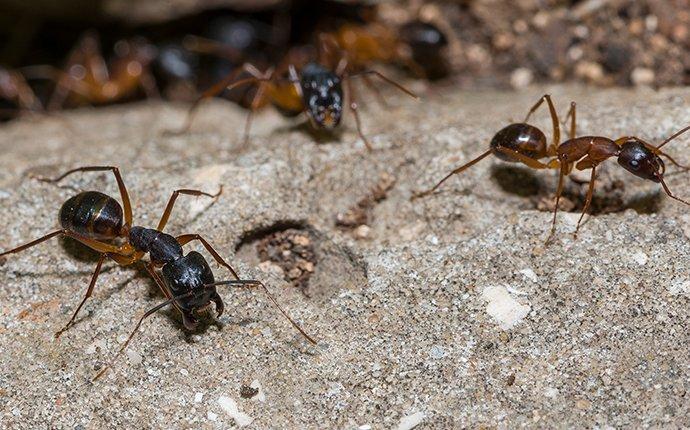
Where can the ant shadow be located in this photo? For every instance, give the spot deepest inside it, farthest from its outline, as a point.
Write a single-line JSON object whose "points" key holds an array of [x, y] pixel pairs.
{"points": [[516, 180], [320, 136]]}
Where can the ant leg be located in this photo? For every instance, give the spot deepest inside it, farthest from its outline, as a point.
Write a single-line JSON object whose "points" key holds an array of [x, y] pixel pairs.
{"points": [[559, 191], [374, 89], [528, 161], [33, 243], [355, 112], [148, 313], [147, 82], [186, 238], [89, 291], [216, 89], [668, 192], [256, 102], [588, 199], [173, 198], [554, 118], [454, 172], [120, 184], [571, 115]]}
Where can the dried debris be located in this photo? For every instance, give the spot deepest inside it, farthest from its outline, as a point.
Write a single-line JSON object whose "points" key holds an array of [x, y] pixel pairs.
{"points": [[358, 216], [293, 251]]}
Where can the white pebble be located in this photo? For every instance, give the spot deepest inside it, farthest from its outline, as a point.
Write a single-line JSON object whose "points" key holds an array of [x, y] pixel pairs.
{"points": [[640, 257], [230, 407], [260, 396], [212, 416], [411, 421], [521, 77], [134, 357], [529, 274], [503, 308], [198, 397]]}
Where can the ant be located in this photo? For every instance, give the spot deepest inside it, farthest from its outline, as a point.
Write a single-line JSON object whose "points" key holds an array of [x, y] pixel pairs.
{"points": [[316, 91], [96, 220], [15, 89], [417, 44], [638, 157], [89, 79], [517, 142]]}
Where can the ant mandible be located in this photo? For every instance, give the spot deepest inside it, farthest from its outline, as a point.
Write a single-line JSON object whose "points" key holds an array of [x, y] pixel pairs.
{"points": [[316, 91], [96, 220], [634, 154], [517, 142]]}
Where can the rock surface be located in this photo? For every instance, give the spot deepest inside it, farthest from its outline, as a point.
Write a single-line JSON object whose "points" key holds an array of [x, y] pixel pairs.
{"points": [[445, 312]]}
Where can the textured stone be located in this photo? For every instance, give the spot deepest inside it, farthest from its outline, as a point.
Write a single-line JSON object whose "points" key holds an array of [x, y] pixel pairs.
{"points": [[405, 334]]}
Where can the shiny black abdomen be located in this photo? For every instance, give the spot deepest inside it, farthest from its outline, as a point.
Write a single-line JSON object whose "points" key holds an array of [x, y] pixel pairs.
{"points": [[92, 214], [523, 138], [186, 274]]}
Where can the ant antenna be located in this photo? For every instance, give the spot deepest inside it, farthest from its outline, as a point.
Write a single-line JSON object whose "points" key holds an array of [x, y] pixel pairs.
{"points": [[271, 297], [676, 134], [663, 184]]}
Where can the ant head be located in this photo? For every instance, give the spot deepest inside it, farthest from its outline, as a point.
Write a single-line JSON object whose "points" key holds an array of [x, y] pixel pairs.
{"points": [[638, 159], [322, 93], [190, 273], [423, 35]]}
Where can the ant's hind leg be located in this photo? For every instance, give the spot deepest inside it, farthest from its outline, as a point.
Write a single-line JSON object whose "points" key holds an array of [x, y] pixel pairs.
{"points": [[588, 199], [33, 243], [127, 206], [171, 203], [454, 172], [554, 117]]}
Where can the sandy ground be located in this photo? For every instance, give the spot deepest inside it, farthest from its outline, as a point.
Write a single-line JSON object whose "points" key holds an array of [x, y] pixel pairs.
{"points": [[444, 312]]}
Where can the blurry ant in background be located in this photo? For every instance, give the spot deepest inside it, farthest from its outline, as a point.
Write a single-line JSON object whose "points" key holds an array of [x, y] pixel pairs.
{"points": [[417, 44], [518, 142], [89, 79], [638, 157], [314, 89], [99, 222]]}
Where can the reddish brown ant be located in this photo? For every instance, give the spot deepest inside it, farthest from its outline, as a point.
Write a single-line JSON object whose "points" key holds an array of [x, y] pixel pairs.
{"points": [[517, 142], [634, 154], [315, 90], [96, 220], [88, 79]]}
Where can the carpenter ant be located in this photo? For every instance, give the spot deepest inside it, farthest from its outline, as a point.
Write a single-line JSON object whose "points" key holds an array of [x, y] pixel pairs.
{"points": [[89, 80], [96, 220], [15, 90], [518, 142], [418, 45], [638, 157], [316, 91]]}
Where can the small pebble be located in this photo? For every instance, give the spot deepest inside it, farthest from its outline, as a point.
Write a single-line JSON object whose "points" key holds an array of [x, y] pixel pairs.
{"points": [[642, 76], [521, 78], [198, 397]]}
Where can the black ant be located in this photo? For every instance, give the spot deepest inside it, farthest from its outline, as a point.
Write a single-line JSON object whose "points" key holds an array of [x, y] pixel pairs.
{"points": [[315, 90], [517, 142], [96, 220], [634, 154]]}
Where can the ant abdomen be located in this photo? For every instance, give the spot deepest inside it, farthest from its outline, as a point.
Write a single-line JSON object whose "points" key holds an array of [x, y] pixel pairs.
{"points": [[92, 214], [520, 137]]}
